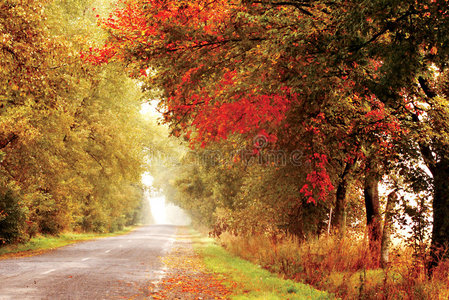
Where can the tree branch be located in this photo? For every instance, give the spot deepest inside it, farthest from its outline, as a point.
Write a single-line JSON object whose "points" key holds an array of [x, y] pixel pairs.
{"points": [[425, 150], [390, 26], [425, 87], [11, 138], [95, 159], [299, 5]]}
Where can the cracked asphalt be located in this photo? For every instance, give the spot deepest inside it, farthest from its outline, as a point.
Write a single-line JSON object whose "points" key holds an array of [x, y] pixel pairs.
{"points": [[118, 267]]}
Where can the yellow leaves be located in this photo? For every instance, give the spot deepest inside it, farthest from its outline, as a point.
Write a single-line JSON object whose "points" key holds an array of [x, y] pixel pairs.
{"points": [[75, 123], [5, 39]]}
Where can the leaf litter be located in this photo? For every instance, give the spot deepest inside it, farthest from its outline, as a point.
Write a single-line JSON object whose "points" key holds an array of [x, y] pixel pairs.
{"points": [[187, 277]]}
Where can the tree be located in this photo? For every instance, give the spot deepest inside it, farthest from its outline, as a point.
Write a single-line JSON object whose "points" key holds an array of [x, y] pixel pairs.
{"points": [[346, 70], [71, 136], [387, 229]]}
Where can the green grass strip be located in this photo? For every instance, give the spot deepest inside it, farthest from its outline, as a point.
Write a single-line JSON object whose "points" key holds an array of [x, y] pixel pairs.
{"points": [[253, 282], [41, 244]]}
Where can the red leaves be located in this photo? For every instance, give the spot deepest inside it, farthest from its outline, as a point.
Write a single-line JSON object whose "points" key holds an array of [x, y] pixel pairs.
{"points": [[224, 108], [319, 183], [379, 124], [98, 56], [229, 105], [186, 79], [248, 113], [146, 25]]}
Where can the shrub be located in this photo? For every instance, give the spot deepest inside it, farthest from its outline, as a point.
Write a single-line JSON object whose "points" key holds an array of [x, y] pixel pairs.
{"points": [[47, 216], [12, 218]]}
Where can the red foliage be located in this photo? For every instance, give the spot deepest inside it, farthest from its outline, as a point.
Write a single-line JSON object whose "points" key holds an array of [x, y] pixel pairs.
{"points": [[319, 183], [209, 94]]}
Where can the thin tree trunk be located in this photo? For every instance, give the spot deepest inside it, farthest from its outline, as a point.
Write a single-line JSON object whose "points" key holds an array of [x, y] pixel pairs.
{"points": [[339, 222], [371, 192], [440, 231], [386, 234], [339, 218]]}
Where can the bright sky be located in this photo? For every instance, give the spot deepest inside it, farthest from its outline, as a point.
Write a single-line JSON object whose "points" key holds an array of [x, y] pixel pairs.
{"points": [[149, 109], [147, 179], [162, 213], [158, 209], [157, 203]]}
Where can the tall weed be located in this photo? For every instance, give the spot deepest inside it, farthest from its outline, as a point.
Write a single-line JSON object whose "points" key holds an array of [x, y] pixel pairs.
{"points": [[342, 265]]}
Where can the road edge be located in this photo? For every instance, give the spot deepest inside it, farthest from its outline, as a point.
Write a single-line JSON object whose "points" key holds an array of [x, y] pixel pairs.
{"points": [[35, 246]]}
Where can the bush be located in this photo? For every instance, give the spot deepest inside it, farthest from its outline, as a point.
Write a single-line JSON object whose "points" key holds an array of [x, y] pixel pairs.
{"points": [[12, 218], [47, 216]]}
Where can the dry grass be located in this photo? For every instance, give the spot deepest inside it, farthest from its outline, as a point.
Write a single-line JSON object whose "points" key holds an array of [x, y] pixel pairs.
{"points": [[343, 266]]}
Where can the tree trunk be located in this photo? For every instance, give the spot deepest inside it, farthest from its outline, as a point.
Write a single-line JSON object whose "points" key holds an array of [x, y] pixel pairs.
{"points": [[371, 192], [339, 222], [386, 234], [440, 204], [339, 218], [440, 231]]}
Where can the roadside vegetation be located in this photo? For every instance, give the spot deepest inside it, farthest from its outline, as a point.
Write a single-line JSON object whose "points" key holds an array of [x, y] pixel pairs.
{"points": [[43, 243], [342, 266], [251, 280]]}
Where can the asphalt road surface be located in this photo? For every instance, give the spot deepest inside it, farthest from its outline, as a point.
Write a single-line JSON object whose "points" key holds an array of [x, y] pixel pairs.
{"points": [[107, 268]]}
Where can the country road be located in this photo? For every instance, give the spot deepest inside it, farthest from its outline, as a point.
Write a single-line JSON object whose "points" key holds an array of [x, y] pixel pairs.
{"points": [[107, 268]]}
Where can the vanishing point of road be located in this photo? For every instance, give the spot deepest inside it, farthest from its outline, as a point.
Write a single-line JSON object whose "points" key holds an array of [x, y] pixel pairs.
{"points": [[118, 267]]}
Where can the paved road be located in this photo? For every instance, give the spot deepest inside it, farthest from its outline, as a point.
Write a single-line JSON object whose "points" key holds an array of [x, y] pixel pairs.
{"points": [[108, 268]]}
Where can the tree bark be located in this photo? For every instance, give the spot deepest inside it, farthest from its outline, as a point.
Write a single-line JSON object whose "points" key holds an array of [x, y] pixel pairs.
{"points": [[386, 233], [440, 231], [440, 204], [339, 217], [339, 222], [371, 192]]}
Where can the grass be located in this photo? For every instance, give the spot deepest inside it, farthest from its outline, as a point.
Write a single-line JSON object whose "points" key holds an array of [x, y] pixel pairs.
{"points": [[40, 244], [253, 282]]}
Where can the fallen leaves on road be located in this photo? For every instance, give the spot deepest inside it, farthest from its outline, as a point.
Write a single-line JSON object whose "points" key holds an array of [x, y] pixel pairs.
{"points": [[187, 277]]}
